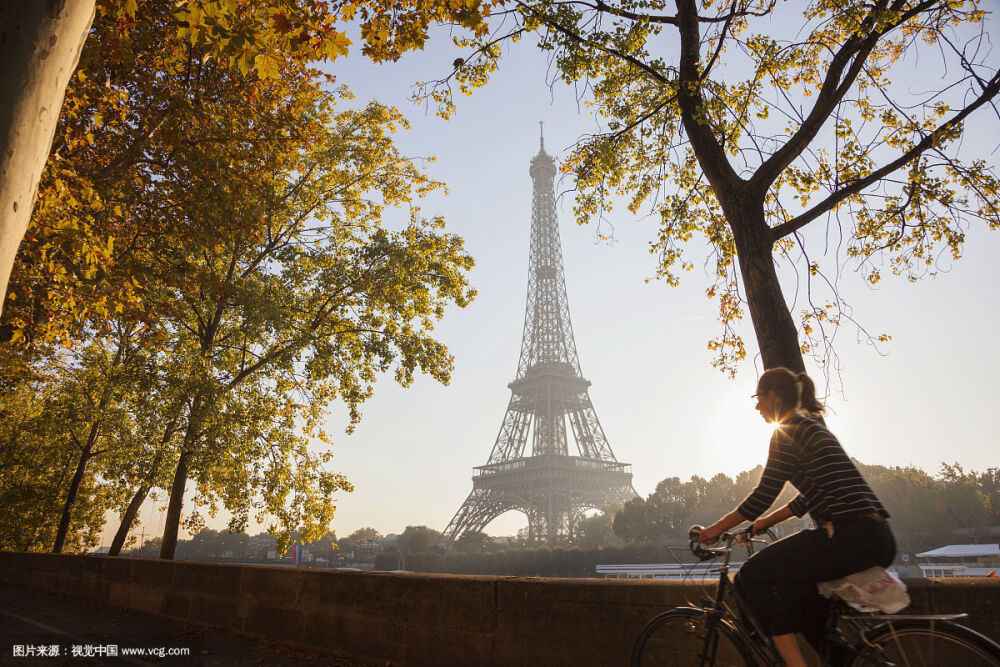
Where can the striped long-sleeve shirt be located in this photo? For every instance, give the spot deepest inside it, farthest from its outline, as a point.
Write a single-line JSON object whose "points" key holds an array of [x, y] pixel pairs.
{"points": [[806, 454]]}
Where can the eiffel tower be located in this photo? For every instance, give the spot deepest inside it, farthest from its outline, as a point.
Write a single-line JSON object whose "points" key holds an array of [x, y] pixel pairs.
{"points": [[549, 485]]}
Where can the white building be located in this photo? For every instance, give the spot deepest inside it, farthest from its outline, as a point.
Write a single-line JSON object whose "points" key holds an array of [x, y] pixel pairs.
{"points": [[961, 560]]}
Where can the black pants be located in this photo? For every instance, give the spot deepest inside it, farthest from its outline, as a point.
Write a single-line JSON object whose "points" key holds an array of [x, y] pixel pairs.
{"points": [[779, 582]]}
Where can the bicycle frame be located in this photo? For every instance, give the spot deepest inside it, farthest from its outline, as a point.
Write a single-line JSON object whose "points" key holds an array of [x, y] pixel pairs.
{"points": [[742, 621]]}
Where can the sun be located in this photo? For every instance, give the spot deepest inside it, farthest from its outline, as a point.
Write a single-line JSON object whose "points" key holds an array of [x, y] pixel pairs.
{"points": [[737, 437]]}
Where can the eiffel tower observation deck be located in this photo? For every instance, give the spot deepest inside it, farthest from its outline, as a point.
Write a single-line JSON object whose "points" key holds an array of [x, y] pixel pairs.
{"points": [[552, 485]]}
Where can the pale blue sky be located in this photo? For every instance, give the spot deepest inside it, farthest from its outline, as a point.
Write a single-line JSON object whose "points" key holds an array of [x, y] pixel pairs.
{"points": [[665, 410]]}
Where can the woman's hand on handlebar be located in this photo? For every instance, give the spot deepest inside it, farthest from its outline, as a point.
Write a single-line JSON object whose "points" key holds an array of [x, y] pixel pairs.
{"points": [[710, 534], [759, 527], [764, 523]]}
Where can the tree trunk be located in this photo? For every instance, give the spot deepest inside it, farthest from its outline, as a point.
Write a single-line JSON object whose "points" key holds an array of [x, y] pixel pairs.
{"points": [[74, 488], [128, 518], [172, 522], [773, 324], [40, 44]]}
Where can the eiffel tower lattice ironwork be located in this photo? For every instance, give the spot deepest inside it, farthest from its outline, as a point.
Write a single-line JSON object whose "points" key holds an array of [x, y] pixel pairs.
{"points": [[549, 485]]}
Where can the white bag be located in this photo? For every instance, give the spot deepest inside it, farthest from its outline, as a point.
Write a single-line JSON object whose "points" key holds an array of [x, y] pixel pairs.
{"points": [[874, 589]]}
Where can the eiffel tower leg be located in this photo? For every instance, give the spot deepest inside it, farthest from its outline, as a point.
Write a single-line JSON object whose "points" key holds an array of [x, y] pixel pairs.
{"points": [[481, 507]]}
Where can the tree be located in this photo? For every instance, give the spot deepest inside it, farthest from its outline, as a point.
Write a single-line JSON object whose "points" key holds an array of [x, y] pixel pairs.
{"points": [[325, 547], [304, 290], [665, 515], [138, 89], [40, 48], [44, 480], [775, 149], [152, 457], [963, 500], [989, 484], [416, 539], [254, 257], [87, 447], [472, 541], [659, 517], [597, 530], [362, 537], [42, 43], [925, 510]]}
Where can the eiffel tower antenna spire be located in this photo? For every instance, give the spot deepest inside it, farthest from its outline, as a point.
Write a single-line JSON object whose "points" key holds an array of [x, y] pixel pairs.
{"points": [[550, 483], [541, 132]]}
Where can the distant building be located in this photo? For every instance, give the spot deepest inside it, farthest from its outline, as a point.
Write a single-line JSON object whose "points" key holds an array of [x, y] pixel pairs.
{"points": [[961, 560], [261, 546], [681, 571]]}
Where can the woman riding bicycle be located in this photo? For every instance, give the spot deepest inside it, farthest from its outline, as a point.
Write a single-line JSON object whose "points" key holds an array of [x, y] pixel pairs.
{"points": [[851, 533]]}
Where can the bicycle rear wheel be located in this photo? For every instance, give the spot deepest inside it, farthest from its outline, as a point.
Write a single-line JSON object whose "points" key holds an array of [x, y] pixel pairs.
{"points": [[680, 638], [927, 643]]}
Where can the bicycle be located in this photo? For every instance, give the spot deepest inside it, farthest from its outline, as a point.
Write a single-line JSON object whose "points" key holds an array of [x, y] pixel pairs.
{"points": [[717, 634]]}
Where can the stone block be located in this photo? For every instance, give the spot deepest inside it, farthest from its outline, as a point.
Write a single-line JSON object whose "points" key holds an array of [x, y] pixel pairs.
{"points": [[212, 609], [207, 578], [10, 574], [153, 573], [461, 603], [430, 646], [144, 600], [272, 584], [350, 592], [117, 570], [366, 637], [92, 566], [281, 623], [119, 594], [175, 605]]}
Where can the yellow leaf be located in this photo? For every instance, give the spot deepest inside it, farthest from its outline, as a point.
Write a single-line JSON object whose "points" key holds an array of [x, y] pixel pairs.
{"points": [[337, 45], [245, 62], [266, 67]]}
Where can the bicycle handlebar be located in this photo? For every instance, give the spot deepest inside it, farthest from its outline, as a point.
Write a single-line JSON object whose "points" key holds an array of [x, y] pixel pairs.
{"points": [[742, 537]]}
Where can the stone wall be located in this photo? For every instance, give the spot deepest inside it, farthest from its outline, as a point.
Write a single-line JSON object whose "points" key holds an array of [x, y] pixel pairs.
{"points": [[415, 619]]}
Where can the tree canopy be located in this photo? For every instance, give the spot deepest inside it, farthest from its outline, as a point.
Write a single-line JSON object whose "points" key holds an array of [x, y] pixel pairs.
{"points": [[223, 237], [781, 136], [43, 44]]}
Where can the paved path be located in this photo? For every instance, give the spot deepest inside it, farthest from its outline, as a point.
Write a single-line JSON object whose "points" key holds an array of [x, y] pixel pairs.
{"points": [[42, 631]]}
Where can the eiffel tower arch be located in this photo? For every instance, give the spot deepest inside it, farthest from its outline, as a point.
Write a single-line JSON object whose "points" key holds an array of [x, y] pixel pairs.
{"points": [[550, 407]]}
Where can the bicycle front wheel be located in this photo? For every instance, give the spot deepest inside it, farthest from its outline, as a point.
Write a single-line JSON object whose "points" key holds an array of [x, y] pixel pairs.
{"points": [[686, 637], [927, 643]]}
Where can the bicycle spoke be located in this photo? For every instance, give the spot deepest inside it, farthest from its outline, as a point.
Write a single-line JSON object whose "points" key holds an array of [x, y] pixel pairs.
{"points": [[902, 659]]}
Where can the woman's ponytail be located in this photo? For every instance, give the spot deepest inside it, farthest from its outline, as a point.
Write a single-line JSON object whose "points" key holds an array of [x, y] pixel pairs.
{"points": [[807, 399]]}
